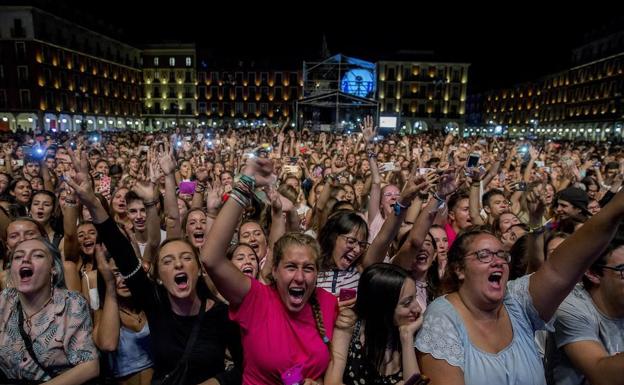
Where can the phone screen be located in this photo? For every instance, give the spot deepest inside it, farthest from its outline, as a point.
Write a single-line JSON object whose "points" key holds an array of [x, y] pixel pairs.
{"points": [[346, 294], [473, 160]]}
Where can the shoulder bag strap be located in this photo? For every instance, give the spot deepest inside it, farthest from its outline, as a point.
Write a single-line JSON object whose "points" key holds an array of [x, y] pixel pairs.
{"points": [[28, 341]]}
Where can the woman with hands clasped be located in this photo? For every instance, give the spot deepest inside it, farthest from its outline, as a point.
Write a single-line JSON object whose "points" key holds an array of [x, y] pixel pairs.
{"points": [[374, 343]]}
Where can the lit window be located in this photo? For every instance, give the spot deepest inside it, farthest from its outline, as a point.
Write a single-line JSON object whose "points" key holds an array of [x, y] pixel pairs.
{"points": [[188, 61], [172, 61], [156, 61]]}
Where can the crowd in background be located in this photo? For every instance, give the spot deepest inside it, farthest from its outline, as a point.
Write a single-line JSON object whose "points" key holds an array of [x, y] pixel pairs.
{"points": [[271, 255]]}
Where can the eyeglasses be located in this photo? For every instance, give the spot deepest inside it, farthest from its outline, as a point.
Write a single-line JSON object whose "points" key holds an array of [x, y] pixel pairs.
{"points": [[352, 242], [619, 269], [486, 256]]}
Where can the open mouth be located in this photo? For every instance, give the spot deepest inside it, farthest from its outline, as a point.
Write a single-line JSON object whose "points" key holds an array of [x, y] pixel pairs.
{"points": [[181, 280], [296, 294], [422, 258], [88, 244], [255, 246], [495, 279], [198, 236], [25, 272], [248, 271], [139, 223], [349, 259]]}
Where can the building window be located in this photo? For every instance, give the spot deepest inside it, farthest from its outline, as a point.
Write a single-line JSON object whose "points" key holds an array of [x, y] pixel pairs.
{"points": [[239, 78], [214, 107], [20, 50], [264, 108], [214, 77], [201, 77], [156, 76], [239, 93], [172, 61], [188, 61], [278, 78], [251, 108], [187, 77], [25, 99], [264, 77], [1, 71], [22, 73], [251, 76], [18, 30], [156, 61], [202, 91], [238, 108], [202, 107]]}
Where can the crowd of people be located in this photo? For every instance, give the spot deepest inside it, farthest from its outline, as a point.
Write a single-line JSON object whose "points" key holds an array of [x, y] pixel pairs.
{"points": [[271, 255]]}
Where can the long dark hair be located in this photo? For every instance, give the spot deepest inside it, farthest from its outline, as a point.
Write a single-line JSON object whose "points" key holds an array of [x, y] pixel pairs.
{"points": [[379, 290], [339, 223]]}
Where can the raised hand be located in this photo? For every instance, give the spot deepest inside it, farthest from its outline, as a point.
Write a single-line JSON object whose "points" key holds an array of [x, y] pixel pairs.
{"points": [[167, 162], [103, 265], [368, 129], [346, 316], [145, 190], [448, 183], [536, 203], [262, 170], [213, 199]]}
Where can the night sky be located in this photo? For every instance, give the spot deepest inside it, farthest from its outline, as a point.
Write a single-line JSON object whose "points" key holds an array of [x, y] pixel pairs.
{"points": [[505, 46]]}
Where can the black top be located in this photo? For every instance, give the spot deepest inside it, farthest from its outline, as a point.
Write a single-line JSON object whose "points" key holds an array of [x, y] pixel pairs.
{"points": [[358, 371], [169, 331]]}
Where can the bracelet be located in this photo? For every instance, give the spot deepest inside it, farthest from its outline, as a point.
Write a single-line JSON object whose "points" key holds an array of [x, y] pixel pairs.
{"points": [[151, 203], [398, 207], [200, 188], [136, 270], [438, 198]]}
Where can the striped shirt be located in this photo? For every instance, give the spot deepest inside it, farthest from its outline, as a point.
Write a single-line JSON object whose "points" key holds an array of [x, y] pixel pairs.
{"points": [[334, 280]]}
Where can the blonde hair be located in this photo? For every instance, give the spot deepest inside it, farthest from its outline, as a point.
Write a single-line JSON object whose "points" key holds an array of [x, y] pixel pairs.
{"points": [[299, 239]]}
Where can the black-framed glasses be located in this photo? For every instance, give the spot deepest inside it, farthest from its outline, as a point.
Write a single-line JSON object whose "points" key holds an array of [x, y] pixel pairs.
{"points": [[352, 242], [486, 256], [619, 268]]}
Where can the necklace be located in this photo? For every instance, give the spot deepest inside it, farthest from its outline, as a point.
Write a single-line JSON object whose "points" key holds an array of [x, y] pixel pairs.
{"points": [[29, 318], [134, 316]]}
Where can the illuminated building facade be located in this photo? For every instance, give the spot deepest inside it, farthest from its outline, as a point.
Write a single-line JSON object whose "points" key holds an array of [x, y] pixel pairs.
{"points": [[170, 85], [424, 95], [55, 74], [244, 92], [584, 101]]}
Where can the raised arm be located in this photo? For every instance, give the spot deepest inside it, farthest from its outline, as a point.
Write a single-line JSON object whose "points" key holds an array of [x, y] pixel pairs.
{"points": [[390, 228], [424, 221], [167, 165], [106, 322], [148, 192], [115, 241], [556, 278], [228, 279]]}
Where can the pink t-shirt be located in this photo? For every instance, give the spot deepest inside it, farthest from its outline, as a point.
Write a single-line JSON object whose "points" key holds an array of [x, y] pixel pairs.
{"points": [[274, 339], [450, 234]]}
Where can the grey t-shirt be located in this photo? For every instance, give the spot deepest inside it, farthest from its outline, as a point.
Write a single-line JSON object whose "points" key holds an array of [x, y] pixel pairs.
{"points": [[577, 320]]}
